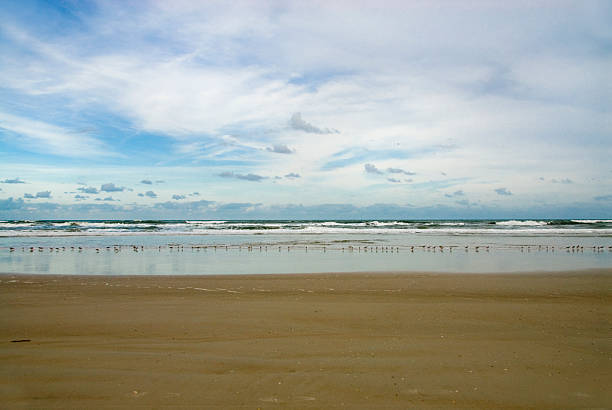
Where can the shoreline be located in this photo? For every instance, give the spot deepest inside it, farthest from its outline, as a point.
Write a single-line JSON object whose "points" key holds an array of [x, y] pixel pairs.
{"points": [[566, 272], [353, 340]]}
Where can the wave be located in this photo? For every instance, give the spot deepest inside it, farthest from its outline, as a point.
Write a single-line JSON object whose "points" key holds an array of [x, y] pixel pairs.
{"points": [[521, 223], [317, 230], [592, 221], [222, 227], [205, 222]]}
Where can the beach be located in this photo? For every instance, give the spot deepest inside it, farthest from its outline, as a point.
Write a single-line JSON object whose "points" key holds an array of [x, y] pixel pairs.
{"points": [[354, 340]]}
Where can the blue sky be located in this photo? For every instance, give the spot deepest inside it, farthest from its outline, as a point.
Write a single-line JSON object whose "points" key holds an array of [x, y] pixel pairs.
{"points": [[395, 109]]}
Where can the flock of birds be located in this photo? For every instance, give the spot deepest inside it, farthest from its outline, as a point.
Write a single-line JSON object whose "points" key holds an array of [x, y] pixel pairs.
{"points": [[324, 248]]}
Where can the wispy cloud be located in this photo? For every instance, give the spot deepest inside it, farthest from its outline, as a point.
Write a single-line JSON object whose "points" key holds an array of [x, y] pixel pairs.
{"points": [[38, 136], [178, 197], [292, 175], [146, 182]]}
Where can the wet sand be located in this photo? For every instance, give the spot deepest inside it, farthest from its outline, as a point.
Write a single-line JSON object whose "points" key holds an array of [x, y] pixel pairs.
{"points": [[391, 340]]}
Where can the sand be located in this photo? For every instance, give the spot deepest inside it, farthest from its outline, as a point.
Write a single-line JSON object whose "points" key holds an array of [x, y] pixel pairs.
{"points": [[392, 340]]}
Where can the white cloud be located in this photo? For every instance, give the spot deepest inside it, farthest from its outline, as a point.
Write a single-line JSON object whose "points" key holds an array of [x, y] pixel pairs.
{"points": [[296, 122], [38, 136], [280, 149], [12, 181], [413, 76], [110, 187], [371, 169], [502, 191]]}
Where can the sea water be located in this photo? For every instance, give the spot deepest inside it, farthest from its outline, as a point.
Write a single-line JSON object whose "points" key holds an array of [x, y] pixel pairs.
{"points": [[179, 247]]}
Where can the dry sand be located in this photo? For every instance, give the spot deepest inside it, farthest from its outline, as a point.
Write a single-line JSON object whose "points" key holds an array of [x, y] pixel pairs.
{"points": [[307, 341]]}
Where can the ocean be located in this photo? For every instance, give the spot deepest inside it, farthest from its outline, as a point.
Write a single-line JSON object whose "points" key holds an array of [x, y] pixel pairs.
{"points": [[185, 247]]}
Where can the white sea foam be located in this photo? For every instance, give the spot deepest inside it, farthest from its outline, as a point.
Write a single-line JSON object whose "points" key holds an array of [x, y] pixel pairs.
{"points": [[592, 221], [308, 230], [521, 223]]}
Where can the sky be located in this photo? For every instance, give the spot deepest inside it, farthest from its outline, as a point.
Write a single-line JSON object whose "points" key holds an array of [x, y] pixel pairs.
{"points": [[305, 110]]}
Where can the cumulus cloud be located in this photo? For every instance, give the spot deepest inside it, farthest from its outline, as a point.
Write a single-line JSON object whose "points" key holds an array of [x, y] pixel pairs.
{"points": [[178, 197], [247, 177], [394, 180], [292, 175], [151, 194], [399, 171], [371, 169], [280, 149], [194, 194], [88, 190], [42, 194], [10, 203], [140, 194], [13, 181], [297, 123], [107, 199], [110, 187], [502, 191], [80, 197], [146, 182]]}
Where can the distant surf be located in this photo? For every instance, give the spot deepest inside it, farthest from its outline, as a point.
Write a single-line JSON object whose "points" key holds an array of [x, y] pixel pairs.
{"points": [[21, 228]]}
